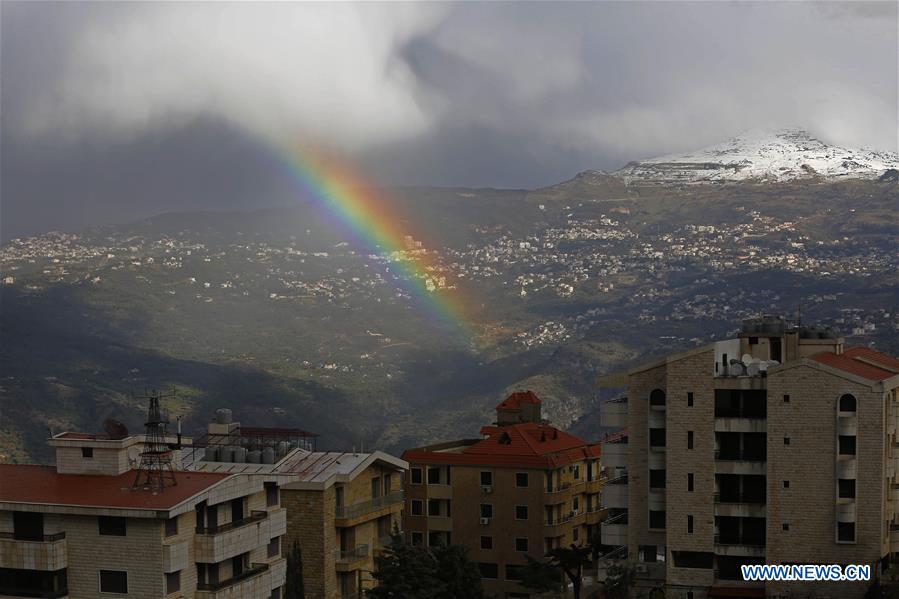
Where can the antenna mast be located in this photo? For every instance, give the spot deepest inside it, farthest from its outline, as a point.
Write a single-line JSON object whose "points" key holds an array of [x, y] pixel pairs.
{"points": [[157, 469]]}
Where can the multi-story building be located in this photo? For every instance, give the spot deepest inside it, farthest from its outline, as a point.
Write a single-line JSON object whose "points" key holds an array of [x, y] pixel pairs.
{"points": [[776, 447], [341, 506], [83, 529], [523, 488]]}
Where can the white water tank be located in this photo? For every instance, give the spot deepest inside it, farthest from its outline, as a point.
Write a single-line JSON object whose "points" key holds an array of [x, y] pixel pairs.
{"points": [[240, 454], [268, 455], [223, 416], [254, 457]]}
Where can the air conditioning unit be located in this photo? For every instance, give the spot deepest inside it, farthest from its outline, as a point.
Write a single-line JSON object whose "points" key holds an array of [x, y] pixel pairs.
{"points": [[641, 568], [487, 489], [485, 520]]}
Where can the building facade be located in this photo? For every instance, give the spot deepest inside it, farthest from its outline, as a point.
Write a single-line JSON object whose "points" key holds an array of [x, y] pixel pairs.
{"points": [[522, 489], [81, 528], [776, 447]]}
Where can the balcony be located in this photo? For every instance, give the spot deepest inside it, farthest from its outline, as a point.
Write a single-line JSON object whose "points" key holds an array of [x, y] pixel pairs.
{"points": [[740, 506], [346, 560], [614, 530], [614, 455], [615, 494], [657, 499], [366, 510], [739, 546], [847, 466], [47, 553], [254, 582], [559, 488], [846, 512], [214, 544], [740, 462], [613, 414], [740, 425]]}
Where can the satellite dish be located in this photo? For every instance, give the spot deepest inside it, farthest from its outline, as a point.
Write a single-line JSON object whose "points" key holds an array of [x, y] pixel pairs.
{"points": [[115, 429], [747, 359]]}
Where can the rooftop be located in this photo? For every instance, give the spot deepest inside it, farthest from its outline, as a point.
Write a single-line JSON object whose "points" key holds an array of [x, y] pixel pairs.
{"points": [[524, 445], [516, 399], [863, 362], [42, 484]]}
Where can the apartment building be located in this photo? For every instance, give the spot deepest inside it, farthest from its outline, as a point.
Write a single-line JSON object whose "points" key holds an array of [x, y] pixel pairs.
{"points": [[82, 529], [341, 506], [523, 488], [776, 447]]}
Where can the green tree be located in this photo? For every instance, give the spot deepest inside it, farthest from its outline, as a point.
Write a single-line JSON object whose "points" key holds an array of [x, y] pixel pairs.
{"points": [[458, 575], [540, 576], [619, 579], [572, 561], [294, 584]]}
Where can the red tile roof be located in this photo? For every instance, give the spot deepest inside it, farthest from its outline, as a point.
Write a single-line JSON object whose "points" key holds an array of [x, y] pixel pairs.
{"points": [[514, 401], [20, 483], [524, 445], [861, 361]]}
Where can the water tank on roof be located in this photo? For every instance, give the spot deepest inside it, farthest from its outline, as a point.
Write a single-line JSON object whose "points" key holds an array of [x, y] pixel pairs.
{"points": [[283, 446], [268, 455], [254, 457], [223, 416], [227, 453], [240, 454], [211, 454]]}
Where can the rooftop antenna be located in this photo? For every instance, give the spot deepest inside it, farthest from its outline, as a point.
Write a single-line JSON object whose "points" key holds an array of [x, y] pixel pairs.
{"points": [[156, 469], [799, 316]]}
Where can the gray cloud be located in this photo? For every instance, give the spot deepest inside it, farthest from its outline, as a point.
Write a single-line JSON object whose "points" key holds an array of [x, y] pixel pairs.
{"points": [[465, 94]]}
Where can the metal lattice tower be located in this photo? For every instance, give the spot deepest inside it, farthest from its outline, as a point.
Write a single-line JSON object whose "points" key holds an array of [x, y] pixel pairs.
{"points": [[157, 469]]}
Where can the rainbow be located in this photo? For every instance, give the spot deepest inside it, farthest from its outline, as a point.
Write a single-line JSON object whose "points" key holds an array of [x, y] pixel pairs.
{"points": [[359, 207]]}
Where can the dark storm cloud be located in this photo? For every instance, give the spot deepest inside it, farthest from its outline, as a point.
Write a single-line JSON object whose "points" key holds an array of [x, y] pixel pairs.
{"points": [[113, 111]]}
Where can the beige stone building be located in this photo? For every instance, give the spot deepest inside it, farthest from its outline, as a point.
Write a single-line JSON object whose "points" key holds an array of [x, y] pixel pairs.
{"points": [[80, 528], [776, 447], [341, 506], [523, 488]]}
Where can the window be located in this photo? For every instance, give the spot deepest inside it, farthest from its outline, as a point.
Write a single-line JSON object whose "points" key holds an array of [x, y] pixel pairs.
{"points": [[847, 488], [847, 444], [785, 527], [418, 538], [171, 527], [521, 512], [689, 439], [575, 533], [489, 570], [786, 398], [417, 507], [657, 437], [786, 440], [657, 397], [689, 595], [486, 510], [111, 526], [690, 482], [521, 544], [521, 479], [656, 519], [786, 484], [433, 476], [577, 472], [846, 532], [173, 582], [433, 507], [271, 494], [656, 479], [514, 572], [486, 479], [689, 399], [486, 542], [375, 487], [338, 495], [415, 476], [28, 526], [274, 547], [847, 403], [87, 452], [388, 483], [575, 503], [113, 581], [693, 559], [689, 525], [276, 593]]}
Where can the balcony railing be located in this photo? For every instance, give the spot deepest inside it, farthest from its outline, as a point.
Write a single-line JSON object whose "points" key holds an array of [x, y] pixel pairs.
{"points": [[739, 499], [364, 507], [33, 538], [255, 516], [740, 456], [619, 519], [255, 570], [350, 555], [618, 480]]}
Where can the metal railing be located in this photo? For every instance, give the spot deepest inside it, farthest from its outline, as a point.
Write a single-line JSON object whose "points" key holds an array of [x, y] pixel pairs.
{"points": [[350, 555], [255, 516], [364, 507], [255, 570], [558, 488], [619, 519], [58, 536]]}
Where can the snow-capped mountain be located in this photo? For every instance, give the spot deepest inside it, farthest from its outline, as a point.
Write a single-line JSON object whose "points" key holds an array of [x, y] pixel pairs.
{"points": [[780, 155]]}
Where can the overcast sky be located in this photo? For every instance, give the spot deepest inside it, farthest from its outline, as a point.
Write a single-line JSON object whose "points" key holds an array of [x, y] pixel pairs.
{"points": [[113, 111]]}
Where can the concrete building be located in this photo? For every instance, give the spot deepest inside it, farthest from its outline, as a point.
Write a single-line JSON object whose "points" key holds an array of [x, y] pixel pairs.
{"points": [[523, 488], [80, 529], [776, 447], [341, 506]]}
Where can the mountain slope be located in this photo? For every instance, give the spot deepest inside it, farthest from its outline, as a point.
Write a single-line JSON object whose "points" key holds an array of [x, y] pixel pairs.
{"points": [[781, 155]]}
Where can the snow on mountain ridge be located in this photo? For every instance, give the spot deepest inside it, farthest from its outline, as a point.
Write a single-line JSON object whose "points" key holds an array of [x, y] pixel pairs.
{"points": [[781, 155]]}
